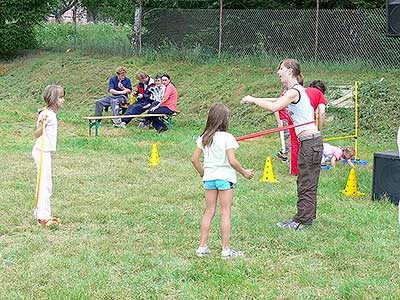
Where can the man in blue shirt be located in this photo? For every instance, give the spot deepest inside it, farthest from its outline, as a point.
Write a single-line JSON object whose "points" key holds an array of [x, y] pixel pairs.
{"points": [[119, 87]]}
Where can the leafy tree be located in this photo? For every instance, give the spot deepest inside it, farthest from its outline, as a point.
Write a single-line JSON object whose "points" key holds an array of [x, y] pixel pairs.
{"points": [[17, 19], [62, 7]]}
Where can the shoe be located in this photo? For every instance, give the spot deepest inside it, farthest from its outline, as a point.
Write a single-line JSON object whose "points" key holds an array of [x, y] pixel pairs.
{"points": [[92, 123], [161, 129], [282, 156], [326, 167], [283, 223], [120, 125], [203, 251], [230, 253], [143, 125], [49, 222], [291, 225]]}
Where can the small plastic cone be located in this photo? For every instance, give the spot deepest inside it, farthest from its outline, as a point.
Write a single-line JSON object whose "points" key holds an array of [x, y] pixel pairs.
{"points": [[351, 186], [268, 175], [154, 157]]}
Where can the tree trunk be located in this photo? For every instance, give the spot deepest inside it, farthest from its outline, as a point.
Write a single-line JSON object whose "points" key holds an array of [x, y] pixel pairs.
{"points": [[136, 36], [75, 9], [65, 6]]}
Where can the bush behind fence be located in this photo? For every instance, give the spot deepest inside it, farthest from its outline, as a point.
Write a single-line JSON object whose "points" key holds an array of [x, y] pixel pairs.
{"points": [[343, 36]]}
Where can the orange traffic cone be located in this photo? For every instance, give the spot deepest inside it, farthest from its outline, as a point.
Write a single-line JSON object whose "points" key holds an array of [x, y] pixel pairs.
{"points": [[154, 157], [351, 186], [268, 175]]}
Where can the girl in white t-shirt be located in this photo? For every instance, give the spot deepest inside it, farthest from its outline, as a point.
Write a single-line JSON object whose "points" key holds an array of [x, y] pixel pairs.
{"points": [[44, 146], [219, 176]]}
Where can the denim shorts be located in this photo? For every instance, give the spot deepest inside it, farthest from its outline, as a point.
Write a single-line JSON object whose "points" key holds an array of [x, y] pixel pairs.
{"points": [[218, 184]]}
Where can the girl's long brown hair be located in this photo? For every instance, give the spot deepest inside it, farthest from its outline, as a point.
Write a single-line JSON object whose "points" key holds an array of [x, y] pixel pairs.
{"points": [[218, 120]]}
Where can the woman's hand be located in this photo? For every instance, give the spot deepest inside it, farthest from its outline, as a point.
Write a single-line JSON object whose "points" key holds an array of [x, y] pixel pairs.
{"points": [[247, 100]]}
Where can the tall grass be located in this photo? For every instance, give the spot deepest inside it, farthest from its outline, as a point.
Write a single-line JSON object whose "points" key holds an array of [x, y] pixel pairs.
{"points": [[99, 38], [107, 38]]}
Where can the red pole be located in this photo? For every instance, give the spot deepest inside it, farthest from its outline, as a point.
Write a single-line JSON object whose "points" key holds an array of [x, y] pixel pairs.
{"points": [[269, 131]]}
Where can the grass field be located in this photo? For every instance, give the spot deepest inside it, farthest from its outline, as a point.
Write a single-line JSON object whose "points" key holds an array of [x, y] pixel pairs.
{"points": [[129, 231]]}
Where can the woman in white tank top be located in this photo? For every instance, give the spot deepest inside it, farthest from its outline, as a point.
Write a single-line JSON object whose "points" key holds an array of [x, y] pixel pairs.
{"points": [[310, 153]]}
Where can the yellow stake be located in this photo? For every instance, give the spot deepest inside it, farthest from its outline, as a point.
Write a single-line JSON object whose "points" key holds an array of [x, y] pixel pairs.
{"points": [[356, 119], [39, 176]]}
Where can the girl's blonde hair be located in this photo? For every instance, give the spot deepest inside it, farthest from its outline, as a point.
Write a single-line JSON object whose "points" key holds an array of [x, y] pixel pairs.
{"points": [[294, 65], [52, 93], [218, 120]]}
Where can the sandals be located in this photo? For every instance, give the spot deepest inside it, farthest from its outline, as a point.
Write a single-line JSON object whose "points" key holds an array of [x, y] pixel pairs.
{"points": [[49, 222]]}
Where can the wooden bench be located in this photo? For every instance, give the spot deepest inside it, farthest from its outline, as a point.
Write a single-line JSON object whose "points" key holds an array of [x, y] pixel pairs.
{"points": [[95, 121]]}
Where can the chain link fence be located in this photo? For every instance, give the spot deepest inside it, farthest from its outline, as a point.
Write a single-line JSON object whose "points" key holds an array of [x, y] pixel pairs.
{"points": [[335, 36]]}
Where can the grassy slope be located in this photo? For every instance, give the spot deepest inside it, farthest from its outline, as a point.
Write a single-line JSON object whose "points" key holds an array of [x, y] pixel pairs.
{"points": [[129, 231]]}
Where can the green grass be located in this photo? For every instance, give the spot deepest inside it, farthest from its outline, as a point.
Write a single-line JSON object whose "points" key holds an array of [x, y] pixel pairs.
{"points": [[99, 38], [129, 231]]}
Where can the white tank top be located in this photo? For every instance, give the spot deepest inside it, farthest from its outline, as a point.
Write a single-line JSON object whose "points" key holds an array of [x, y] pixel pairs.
{"points": [[301, 111]]}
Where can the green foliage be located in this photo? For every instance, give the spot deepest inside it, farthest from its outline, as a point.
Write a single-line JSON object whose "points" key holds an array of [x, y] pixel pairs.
{"points": [[17, 21], [123, 11], [120, 12], [91, 38], [379, 106]]}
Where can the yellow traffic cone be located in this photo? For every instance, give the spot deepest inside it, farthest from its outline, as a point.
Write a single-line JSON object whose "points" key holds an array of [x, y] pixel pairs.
{"points": [[154, 157], [351, 186], [268, 175]]}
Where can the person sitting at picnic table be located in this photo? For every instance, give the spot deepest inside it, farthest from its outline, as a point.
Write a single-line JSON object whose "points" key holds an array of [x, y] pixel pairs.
{"points": [[120, 87], [166, 106], [143, 94], [157, 93]]}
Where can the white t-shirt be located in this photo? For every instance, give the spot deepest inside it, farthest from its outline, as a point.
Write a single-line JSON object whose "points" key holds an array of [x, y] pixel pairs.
{"points": [[50, 141], [216, 165]]}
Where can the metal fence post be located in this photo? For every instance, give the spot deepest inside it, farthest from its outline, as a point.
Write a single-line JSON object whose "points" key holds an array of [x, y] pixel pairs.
{"points": [[220, 30]]}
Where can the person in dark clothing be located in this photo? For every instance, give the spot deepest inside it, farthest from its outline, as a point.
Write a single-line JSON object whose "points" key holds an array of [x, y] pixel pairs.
{"points": [[144, 97]]}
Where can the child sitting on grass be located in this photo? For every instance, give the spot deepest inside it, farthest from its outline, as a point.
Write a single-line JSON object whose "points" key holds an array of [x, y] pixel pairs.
{"points": [[45, 146], [219, 177], [332, 154]]}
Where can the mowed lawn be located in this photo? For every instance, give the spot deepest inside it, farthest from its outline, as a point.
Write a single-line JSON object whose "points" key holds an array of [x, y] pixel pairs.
{"points": [[130, 231]]}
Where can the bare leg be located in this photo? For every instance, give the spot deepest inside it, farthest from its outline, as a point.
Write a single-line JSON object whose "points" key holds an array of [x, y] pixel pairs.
{"points": [[211, 203], [282, 137], [225, 198]]}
